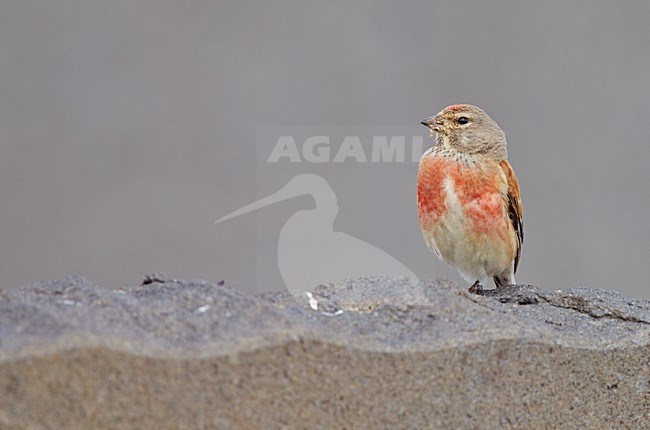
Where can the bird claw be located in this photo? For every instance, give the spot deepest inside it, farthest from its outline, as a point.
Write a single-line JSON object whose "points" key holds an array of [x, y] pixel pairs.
{"points": [[476, 288]]}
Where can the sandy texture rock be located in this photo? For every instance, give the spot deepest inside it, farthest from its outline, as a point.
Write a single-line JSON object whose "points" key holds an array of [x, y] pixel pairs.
{"points": [[366, 353]]}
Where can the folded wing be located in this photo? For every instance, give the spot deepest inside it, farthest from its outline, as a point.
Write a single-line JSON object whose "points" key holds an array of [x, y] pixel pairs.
{"points": [[515, 210]]}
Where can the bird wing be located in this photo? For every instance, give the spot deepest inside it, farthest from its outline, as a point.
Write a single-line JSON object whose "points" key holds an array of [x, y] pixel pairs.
{"points": [[515, 210]]}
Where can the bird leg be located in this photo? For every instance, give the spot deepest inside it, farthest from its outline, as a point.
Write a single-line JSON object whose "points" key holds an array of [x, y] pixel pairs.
{"points": [[476, 288]]}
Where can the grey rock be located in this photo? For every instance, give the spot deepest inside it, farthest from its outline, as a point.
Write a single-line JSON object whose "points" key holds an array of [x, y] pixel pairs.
{"points": [[365, 353]]}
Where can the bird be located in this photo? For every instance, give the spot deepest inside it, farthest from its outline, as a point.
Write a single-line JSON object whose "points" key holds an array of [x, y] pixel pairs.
{"points": [[469, 203], [310, 252]]}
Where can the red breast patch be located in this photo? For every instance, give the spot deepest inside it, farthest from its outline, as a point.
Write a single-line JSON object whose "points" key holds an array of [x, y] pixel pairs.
{"points": [[476, 189], [431, 192]]}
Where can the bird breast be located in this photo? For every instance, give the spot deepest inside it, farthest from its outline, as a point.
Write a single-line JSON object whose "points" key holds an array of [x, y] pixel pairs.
{"points": [[461, 205]]}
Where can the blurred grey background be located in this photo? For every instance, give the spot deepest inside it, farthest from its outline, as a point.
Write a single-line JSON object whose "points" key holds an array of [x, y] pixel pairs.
{"points": [[128, 127]]}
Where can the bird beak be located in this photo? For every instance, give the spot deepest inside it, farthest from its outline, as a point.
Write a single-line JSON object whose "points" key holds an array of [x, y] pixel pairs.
{"points": [[434, 124]]}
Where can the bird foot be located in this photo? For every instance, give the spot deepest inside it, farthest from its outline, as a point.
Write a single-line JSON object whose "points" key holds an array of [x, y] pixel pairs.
{"points": [[476, 288]]}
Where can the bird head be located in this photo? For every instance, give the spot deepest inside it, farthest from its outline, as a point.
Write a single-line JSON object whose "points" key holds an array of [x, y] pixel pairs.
{"points": [[466, 128]]}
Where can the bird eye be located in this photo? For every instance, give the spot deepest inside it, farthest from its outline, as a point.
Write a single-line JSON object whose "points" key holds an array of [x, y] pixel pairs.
{"points": [[463, 120]]}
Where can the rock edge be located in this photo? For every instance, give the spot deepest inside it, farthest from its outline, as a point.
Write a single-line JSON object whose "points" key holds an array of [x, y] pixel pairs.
{"points": [[366, 353]]}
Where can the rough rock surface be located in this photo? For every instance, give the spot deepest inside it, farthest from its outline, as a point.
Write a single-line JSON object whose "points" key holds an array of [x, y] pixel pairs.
{"points": [[366, 353]]}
